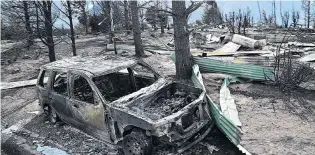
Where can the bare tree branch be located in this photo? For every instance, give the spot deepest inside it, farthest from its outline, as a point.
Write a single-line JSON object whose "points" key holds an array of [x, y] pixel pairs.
{"points": [[161, 10], [194, 6], [63, 20], [144, 4], [66, 14]]}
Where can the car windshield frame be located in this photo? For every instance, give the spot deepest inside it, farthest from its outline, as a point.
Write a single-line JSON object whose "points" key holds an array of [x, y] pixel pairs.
{"points": [[157, 77]]}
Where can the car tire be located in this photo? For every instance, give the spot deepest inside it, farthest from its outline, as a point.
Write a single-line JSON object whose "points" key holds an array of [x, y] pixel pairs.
{"points": [[137, 143], [51, 114]]}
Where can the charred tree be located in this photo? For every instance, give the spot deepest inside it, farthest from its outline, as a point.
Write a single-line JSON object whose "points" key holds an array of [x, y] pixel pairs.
{"points": [[85, 19], [231, 19], [126, 16], [295, 18], [28, 24], [81, 5], [71, 29], [306, 6], [285, 19], [68, 13], [49, 30], [184, 61], [162, 23], [239, 21], [212, 15], [274, 13], [183, 56], [46, 36], [162, 17], [109, 17], [136, 29]]}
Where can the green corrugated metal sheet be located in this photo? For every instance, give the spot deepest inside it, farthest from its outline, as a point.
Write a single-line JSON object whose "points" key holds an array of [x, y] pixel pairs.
{"points": [[224, 124], [232, 132], [246, 71]]}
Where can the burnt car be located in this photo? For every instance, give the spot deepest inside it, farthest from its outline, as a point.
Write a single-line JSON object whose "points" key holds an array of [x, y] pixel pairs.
{"points": [[123, 101]]}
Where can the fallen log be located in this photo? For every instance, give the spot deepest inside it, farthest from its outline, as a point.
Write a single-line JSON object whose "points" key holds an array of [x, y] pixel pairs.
{"points": [[245, 41], [9, 85]]}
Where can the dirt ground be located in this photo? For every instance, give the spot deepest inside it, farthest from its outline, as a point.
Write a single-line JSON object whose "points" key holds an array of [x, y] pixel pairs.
{"points": [[276, 122], [15, 103], [273, 122]]}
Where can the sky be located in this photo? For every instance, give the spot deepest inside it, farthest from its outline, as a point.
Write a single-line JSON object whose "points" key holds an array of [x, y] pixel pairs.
{"points": [[233, 5], [227, 6]]}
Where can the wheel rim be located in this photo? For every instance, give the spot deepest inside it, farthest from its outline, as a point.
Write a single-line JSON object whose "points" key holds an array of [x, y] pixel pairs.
{"points": [[53, 116], [46, 110], [133, 146]]}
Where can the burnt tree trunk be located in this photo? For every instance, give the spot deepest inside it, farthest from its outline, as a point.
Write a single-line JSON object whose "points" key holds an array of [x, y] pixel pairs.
{"points": [[71, 29], [136, 29], [28, 24], [85, 19], [184, 61], [308, 13], [109, 20], [49, 30], [244, 25], [126, 15], [162, 25]]}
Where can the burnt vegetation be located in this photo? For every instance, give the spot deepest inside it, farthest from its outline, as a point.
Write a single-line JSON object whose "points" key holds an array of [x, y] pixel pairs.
{"points": [[289, 73]]}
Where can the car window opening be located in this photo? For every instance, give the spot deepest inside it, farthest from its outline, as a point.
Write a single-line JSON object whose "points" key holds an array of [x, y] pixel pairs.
{"points": [[115, 85], [60, 84], [82, 90]]}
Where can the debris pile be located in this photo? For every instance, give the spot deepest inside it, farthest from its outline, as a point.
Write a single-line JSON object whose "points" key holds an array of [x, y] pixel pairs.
{"points": [[168, 103]]}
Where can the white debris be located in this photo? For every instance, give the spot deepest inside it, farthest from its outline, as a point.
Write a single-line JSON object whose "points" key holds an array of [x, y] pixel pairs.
{"points": [[229, 48], [298, 44], [308, 58], [212, 148], [245, 41], [227, 104], [47, 150]]}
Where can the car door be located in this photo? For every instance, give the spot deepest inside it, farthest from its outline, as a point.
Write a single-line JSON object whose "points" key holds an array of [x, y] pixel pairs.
{"points": [[59, 94], [87, 107], [43, 86]]}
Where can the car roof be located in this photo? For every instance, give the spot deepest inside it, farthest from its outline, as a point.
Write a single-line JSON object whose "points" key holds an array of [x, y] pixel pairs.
{"points": [[91, 65]]}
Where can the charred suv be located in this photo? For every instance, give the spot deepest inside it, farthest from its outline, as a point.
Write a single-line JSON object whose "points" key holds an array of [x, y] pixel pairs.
{"points": [[123, 101]]}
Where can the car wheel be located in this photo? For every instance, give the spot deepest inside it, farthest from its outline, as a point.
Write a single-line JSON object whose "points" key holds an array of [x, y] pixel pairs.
{"points": [[51, 114], [137, 143]]}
